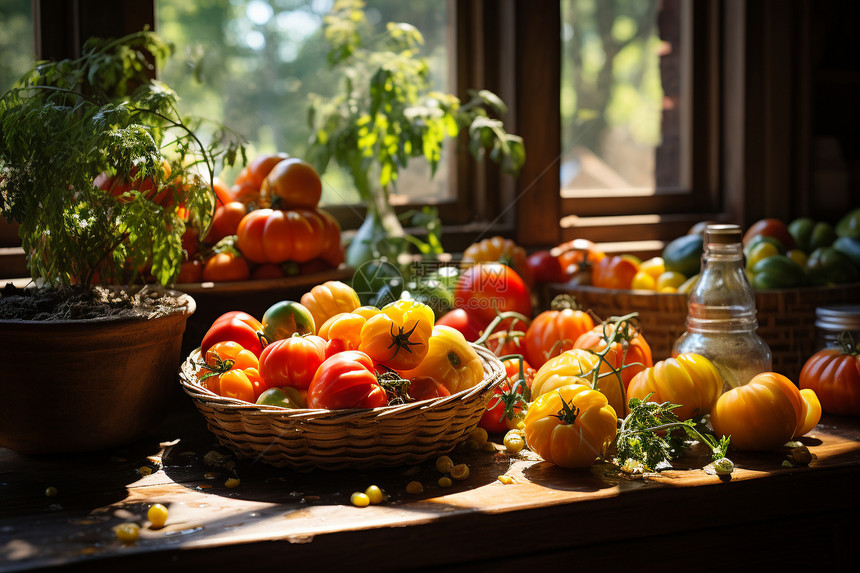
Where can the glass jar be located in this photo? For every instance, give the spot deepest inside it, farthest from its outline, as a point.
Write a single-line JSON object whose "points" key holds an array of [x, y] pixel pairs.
{"points": [[721, 313], [832, 321]]}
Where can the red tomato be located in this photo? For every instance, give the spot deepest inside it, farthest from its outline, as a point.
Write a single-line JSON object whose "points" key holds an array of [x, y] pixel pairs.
{"points": [[771, 228], [237, 326], [260, 167], [190, 272], [468, 323], [546, 267], [224, 267], [346, 380], [572, 254], [426, 388], [292, 361], [486, 289], [834, 374], [494, 419]]}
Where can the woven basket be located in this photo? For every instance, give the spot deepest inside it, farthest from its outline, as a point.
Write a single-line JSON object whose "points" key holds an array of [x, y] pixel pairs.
{"points": [[336, 439], [786, 317]]}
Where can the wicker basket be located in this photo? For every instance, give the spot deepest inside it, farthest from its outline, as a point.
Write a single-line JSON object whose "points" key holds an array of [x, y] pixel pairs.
{"points": [[786, 317], [336, 439]]}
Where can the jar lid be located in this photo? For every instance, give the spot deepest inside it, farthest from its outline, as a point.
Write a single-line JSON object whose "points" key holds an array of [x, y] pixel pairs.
{"points": [[839, 318], [723, 234]]}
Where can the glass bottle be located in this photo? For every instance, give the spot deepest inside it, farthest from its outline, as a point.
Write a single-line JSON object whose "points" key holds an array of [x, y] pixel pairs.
{"points": [[721, 313]]}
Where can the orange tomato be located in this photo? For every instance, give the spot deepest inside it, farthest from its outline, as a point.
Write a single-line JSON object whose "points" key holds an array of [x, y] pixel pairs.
{"points": [[236, 384], [222, 191], [572, 253], [499, 250], [614, 272], [226, 267], [260, 167], [293, 183], [190, 272], [761, 415], [630, 352], [328, 299], [276, 236], [225, 222], [553, 332]]}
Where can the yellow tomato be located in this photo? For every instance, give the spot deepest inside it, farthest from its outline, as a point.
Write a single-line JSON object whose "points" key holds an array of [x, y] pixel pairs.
{"points": [[643, 281], [810, 412], [797, 256], [670, 279], [345, 327], [761, 415], [576, 366], [328, 299], [690, 380], [570, 427], [397, 337], [654, 266], [688, 285], [450, 359]]}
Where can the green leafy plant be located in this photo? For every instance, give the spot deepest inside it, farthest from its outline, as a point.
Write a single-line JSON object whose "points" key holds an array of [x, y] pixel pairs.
{"points": [[65, 124], [387, 113]]}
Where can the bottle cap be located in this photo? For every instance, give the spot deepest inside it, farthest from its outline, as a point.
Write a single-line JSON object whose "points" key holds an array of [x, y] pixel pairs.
{"points": [[723, 234]]}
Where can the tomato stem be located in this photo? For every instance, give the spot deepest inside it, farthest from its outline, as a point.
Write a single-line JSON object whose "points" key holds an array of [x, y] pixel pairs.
{"points": [[494, 324], [849, 346]]}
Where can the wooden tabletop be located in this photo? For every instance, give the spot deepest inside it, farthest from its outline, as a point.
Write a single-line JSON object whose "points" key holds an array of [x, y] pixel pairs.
{"points": [[767, 513]]}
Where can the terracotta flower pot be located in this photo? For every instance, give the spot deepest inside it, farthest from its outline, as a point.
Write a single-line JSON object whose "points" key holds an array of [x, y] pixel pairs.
{"points": [[85, 385]]}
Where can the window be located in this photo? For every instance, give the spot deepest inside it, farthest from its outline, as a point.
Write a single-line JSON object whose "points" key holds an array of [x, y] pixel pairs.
{"points": [[628, 124], [16, 41], [255, 64]]}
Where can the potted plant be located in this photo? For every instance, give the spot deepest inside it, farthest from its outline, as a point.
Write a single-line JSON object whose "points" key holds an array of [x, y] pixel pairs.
{"points": [[386, 114], [103, 176]]}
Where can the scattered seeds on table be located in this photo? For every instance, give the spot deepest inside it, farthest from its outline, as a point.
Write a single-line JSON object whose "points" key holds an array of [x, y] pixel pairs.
{"points": [[514, 441], [460, 471], [479, 435], [157, 515], [444, 464], [414, 487], [444, 481], [506, 479], [128, 532], [51, 491], [144, 470], [359, 499], [374, 494], [232, 483]]}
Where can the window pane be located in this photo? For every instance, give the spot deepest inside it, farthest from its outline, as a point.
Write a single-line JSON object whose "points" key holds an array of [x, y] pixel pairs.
{"points": [[252, 64], [16, 41], [621, 96]]}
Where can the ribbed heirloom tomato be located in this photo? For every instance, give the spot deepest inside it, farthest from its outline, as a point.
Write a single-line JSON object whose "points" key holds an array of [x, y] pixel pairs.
{"points": [[398, 336], [570, 427], [237, 326], [690, 380], [553, 332], [834, 375], [346, 380], [328, 299], [629, 352], [499, 250], [276, 236]]}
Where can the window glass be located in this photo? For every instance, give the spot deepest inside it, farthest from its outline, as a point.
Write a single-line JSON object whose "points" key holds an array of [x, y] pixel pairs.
{"points": [[16, 41], [621, 96], [253, 64]]}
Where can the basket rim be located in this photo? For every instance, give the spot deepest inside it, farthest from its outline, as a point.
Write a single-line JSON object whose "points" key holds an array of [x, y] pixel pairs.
{"points": [[492, 379]]}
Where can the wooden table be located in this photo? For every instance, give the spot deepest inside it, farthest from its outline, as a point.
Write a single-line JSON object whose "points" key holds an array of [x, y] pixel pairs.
{"points": [[765, 515]]}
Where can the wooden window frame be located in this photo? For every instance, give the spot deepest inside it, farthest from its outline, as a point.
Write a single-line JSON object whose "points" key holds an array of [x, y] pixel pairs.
{"points": [[750, 120]]}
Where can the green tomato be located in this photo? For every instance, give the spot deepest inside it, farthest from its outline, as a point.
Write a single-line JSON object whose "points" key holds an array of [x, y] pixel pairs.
{"points": [[849, 246], [777, 271], [284, 396], [286, 318], [801, 231], [849, 225], [826, 266], [759, 239], [377, 281]]}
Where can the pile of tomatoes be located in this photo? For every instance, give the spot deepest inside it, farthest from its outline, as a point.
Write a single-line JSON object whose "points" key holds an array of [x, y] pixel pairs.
{"points": [[267, 225], [358, 356]]}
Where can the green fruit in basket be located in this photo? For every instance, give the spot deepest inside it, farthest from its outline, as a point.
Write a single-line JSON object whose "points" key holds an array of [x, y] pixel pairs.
{"points": [[777, 271], [286, 318], [849, 246], [377, 282], [285, 397], [684, 255], [829, 266], [810, 235], [432, 293], [849, 225]]}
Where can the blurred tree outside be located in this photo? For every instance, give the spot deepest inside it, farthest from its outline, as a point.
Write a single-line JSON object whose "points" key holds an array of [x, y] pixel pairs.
{"points": [[252, 65], [612, 93], [16, 41]]}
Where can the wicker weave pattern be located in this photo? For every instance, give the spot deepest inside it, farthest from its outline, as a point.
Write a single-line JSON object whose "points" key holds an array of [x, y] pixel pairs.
{"points": [[786, 317], [336, 439]]}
